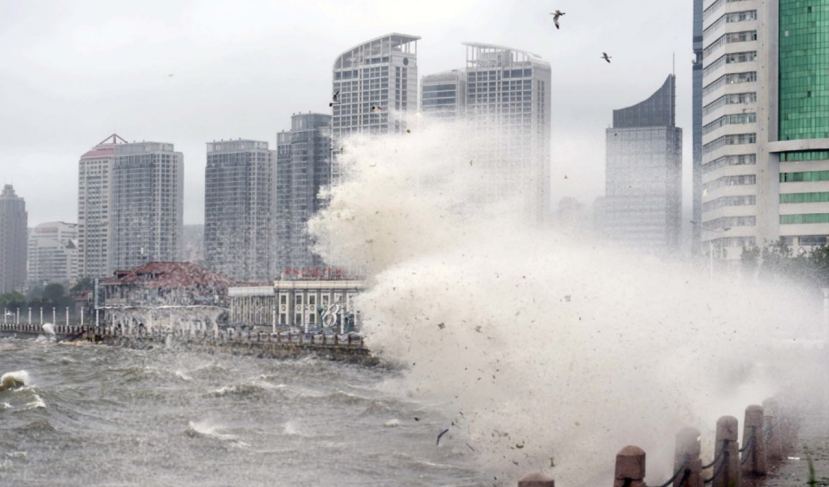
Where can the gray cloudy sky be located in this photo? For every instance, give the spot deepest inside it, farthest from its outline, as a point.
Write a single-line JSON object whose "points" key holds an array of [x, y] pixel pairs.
{"points": [[73, 72]]}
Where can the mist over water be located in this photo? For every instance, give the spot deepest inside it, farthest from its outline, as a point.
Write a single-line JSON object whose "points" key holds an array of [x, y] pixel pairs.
{"points": [[549, 350]]}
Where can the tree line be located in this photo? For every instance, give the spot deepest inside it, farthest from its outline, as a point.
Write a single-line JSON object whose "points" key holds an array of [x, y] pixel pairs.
{"points": [[52, 295]]}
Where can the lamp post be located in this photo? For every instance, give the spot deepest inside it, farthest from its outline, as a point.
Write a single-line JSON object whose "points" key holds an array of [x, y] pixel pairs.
{"points": [[710, 246]]}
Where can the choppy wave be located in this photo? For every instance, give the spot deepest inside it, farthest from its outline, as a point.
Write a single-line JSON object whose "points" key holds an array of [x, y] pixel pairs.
{"points": [[14, 380], [36, 403], [205, 429]]}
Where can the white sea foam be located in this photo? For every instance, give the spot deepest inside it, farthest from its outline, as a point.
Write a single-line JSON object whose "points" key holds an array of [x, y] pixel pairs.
{"points": [[14, 380], [211, 430], [36, 403], [183, 375], [541, 346], [392, 423], [49, 329]]}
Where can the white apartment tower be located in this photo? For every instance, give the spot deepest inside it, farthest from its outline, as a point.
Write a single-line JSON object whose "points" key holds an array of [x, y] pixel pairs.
{"points": [[765, 124], [94, 208], [376, 84]]}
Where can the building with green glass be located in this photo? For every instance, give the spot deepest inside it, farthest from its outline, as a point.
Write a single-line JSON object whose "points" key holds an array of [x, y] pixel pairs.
{"points": [[765, 123]]}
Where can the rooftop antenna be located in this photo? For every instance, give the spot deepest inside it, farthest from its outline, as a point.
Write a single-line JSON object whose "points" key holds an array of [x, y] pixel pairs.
{"points": [[673, 64]]}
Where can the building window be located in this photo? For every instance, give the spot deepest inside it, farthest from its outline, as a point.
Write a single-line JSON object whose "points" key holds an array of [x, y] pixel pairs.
{"points": [[312, 300], [298, 319], [298, 300], [283, 299]]}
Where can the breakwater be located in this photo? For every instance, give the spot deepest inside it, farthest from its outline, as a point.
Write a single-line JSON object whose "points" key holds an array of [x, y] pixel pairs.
{"points": [[347, 348]]}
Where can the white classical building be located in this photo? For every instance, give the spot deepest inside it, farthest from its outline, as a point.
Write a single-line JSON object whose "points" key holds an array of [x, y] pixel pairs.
{"points": [[302, 303]]}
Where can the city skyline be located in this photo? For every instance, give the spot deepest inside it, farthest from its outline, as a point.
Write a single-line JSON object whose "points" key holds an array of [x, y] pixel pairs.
{"points": [[579, 108]]}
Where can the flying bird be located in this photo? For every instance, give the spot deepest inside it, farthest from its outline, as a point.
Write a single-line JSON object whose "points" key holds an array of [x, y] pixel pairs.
{"points": [[335, 100], [170, 75], [556, 15], [605, 57], [376, 109]]}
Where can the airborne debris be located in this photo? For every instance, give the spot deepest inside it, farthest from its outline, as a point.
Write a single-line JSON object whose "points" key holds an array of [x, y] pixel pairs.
{"points": [[441, 326], [567, 298], [519, 445], [478, 328], [441, 434]]}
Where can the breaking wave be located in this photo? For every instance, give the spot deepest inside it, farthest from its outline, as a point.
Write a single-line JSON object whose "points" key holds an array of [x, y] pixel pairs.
{"points": [[559, 343]]}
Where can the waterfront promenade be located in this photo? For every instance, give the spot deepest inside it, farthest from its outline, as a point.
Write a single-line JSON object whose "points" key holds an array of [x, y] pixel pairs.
{"points": [[342, 348]]}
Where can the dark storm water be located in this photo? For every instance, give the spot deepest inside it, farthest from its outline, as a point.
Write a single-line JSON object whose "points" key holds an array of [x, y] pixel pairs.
{"points": [[98, 415]]}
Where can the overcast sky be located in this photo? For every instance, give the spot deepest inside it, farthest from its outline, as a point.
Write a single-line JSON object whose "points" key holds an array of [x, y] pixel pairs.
{"points": [[73, 72]]}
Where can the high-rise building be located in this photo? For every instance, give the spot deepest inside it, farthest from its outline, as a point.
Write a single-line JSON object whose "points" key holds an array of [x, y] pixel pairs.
{"points": [[376, 84], [53, 254], [13, 231], [643, 205], [765, 124], [303, 166], [508, 99], [239, 209], [147, 204], [95, 207], [696, 97], [503, 93], [444, 94]]}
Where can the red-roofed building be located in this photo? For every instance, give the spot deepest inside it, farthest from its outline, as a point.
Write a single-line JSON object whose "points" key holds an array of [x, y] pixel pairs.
{"points": [[165, 284]]}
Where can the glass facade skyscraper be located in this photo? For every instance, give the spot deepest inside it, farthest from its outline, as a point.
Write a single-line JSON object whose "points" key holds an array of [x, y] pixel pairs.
{"points": [[765, 123], [643, 200], [147, 204], [239, 209], [13, 229], [443, 95], [303, 167]]}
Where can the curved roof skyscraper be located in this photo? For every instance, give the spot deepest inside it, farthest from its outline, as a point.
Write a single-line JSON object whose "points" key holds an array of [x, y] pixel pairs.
{"points": [[376, 81]]}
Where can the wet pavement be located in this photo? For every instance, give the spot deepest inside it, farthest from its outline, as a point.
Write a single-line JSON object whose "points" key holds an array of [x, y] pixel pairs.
{"points": [[814, 437]]}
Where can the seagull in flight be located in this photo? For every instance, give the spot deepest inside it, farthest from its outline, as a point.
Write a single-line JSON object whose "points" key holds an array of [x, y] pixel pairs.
{"points": [[335, 100], [556, 15], [605, 57], [376, 109]]}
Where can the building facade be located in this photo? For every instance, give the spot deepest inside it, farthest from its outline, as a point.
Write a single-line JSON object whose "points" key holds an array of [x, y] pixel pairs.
{"points": [[147, 204], [376, 84], [765, 124], [643, 205], [13, 231], [443, 95], [303, 167], [696, 101], [95, 207], [53, 254], [304, 304], [239, 209]]}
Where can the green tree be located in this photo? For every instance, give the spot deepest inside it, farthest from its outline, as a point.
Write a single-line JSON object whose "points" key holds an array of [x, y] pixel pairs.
{"points": [[12, 301], [83, 284], [54, 292]]}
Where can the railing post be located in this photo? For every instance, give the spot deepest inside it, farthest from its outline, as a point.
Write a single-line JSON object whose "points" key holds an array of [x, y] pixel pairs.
{"points": [[753, 432], [774, 445], [630, 467], [686, 455], [729, 473], [536, 479]]}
